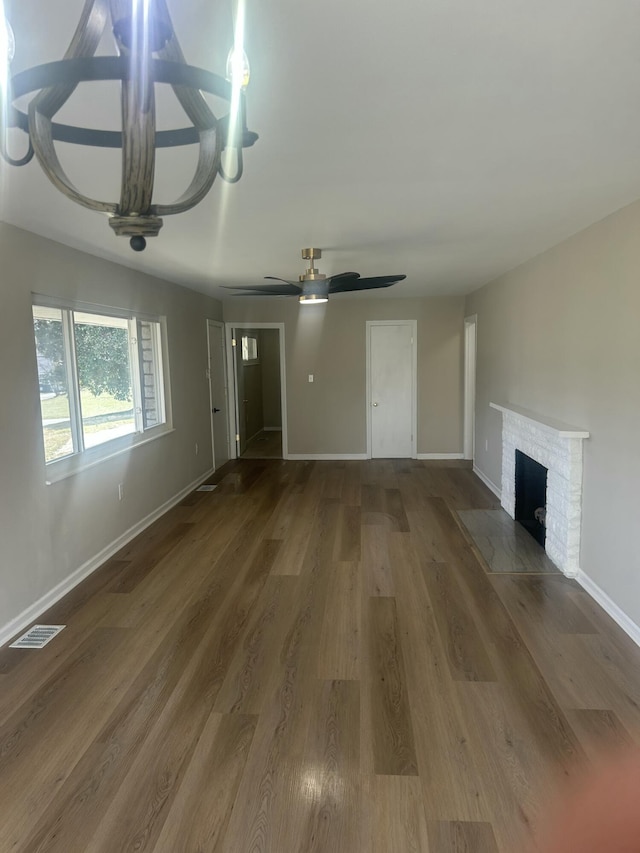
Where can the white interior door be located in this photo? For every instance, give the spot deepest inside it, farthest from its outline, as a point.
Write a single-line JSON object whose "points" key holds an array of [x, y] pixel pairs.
{"points": [[392, 389], [218, 394]]}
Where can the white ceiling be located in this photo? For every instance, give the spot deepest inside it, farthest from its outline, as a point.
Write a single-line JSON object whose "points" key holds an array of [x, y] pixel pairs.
{"points": [[450, 140]]}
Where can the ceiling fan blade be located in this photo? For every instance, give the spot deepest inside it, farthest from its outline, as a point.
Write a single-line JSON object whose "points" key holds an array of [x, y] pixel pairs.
{"points": [[343, 281], [343, 275], [372, 283], [275, 278], [285, 289]]}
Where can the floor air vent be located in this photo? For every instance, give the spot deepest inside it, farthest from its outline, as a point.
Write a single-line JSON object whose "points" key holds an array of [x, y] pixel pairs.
{"points": [[206, 488], [37, 637]]}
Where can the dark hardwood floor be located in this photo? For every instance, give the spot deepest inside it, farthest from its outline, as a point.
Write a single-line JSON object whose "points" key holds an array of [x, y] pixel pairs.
{"points": [[267, 444], [312, 657]]}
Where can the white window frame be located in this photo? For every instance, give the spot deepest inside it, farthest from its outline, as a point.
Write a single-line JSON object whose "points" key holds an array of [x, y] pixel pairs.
{"points": [[250, 359], [83, 458]]}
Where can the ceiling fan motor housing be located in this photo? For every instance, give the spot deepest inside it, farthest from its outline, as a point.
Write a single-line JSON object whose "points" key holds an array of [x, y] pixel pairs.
{"points": [[312, 290]]}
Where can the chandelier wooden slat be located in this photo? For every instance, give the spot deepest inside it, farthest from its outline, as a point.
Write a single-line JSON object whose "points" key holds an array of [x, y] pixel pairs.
{"points": [[148, 54]]}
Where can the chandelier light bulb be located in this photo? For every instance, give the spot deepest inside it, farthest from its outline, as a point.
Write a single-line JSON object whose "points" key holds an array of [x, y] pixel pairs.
{"points": [[238, 70], [7, 41]]}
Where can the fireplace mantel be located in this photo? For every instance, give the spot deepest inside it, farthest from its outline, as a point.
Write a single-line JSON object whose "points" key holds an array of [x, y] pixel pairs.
{"points": [[563, 430], [557, 446]]}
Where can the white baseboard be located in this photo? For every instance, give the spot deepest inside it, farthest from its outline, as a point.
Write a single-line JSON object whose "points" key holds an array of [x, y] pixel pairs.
{"points": [[439, 455], [335, 457], [31, 613], [617, 614], [488, 483], [339, 456]]}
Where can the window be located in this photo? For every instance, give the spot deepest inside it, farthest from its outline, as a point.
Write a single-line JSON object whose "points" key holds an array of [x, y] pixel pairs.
{"points": [[249, 348], [101, 381]]}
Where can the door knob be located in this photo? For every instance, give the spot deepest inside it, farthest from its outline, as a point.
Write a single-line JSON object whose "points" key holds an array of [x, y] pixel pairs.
{"points": [[374, 404], [214, 410]]}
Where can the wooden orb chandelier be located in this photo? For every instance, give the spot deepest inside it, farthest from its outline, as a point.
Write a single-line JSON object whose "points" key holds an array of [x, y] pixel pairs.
{"points": [[148, 53]]}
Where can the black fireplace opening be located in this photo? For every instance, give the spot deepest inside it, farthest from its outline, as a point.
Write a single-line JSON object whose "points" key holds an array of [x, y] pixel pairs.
{"points": [[531, 496]]}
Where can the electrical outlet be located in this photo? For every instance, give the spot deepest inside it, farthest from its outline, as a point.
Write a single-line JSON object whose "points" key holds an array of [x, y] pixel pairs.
{"points": [[197, 448], [311, 377], [120, 491]]}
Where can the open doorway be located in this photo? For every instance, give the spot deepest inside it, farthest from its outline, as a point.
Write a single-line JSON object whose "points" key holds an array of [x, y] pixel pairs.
{"points": [[258, 381]]}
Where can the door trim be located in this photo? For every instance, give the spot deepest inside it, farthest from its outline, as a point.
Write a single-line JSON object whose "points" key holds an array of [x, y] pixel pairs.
{"points": [[220, 326], [233, 403], [470, 350], [413, 325]]}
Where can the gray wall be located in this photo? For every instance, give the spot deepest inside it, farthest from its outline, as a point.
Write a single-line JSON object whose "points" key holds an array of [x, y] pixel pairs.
{"points": [[329, 415], [560, 336], [47, 532]]}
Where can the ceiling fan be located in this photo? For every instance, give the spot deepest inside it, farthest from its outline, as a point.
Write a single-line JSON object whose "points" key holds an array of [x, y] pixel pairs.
{"points": [[315, 287]]}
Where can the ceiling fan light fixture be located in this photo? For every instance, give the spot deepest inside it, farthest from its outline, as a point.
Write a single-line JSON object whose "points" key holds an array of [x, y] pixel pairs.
{"points": [[312, 299], [147, 54], [314, 288]]}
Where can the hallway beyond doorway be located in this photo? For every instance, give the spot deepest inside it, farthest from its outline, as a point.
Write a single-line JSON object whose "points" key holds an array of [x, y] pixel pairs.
{"points": [[267, 444]]}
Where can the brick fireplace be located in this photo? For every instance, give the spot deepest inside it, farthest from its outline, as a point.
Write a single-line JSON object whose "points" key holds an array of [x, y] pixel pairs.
{"points": [[558, 447]]}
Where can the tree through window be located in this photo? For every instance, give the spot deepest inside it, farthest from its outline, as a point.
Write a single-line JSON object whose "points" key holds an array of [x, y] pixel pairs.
{"points": [[100, 378]]}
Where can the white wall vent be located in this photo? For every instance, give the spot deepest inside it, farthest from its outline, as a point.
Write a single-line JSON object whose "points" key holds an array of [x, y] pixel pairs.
{"points": [[37, 637]]}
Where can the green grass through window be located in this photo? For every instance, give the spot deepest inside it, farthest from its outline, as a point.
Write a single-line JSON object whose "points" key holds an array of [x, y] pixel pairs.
{"points": [[58, 407]]}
